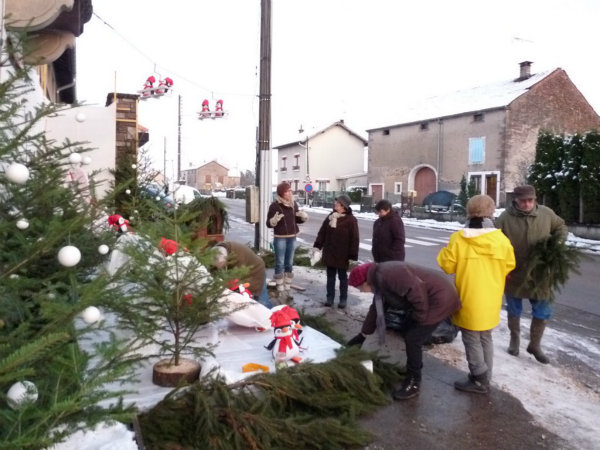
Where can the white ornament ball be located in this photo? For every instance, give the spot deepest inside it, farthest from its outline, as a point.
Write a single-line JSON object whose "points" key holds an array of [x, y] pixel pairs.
{"points": [[75, 158], [91, 314], [69, 256], [103, 249], [20, 393], [80, 117], [133, 166], [17, 173], [157, 198], [22, 224], [128, 191], [86, 160]]}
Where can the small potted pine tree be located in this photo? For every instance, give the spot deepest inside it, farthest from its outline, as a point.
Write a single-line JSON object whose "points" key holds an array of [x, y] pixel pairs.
{"points": [[169, 295]]}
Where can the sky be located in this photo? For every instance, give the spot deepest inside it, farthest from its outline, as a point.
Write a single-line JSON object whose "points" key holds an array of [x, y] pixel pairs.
{"points": [[331, 60], [555, 395]]}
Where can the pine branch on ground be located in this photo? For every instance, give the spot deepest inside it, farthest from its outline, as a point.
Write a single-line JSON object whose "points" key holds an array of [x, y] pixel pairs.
{"points": [[306, 406]]}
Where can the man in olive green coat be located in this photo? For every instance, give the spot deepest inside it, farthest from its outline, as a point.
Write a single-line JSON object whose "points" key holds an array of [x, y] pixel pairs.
{"points": [[525, 223]]}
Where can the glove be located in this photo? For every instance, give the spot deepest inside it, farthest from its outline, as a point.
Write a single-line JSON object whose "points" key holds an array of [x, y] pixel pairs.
{"points": [[356, 341], [302, 215], [276, 218]]}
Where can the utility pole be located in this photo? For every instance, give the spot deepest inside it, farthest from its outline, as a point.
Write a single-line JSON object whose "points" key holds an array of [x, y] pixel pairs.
{"points": [[179, 140], [263, 143]]}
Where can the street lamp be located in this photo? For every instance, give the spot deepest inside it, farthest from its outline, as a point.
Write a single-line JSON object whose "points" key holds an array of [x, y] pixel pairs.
{"points": [[307, 180]]}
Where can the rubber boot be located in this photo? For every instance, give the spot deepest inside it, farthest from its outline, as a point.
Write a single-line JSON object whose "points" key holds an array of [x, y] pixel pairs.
{"points": [[476, 384], [287, 285], [535, 338], [514, 325], [410, 388]]}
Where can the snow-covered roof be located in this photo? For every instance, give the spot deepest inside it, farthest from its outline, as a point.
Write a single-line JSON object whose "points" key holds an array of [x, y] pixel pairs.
{"points": [[480, 98], [340, 123]]}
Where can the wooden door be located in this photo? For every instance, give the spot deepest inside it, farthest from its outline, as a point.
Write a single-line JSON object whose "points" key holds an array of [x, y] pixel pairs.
{"points": [[424, 184]]}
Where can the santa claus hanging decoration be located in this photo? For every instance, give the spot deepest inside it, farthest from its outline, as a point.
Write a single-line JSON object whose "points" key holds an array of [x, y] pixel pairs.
{"points": [[206, 112], [150, 91]]}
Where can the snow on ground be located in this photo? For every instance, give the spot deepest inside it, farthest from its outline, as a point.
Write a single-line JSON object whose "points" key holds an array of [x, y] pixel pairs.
{"points": [[553, 394]]}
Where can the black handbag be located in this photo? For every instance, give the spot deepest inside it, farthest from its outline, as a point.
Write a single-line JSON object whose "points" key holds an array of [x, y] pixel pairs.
{"points": [[397, 319]]}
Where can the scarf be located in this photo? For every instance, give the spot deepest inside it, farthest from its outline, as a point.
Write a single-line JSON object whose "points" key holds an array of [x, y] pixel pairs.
{"points": [[333, 217], [288, 203], [380, 320]]}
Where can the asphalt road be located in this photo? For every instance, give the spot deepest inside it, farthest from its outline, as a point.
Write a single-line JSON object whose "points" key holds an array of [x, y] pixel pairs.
{"points": [[579, 299]]}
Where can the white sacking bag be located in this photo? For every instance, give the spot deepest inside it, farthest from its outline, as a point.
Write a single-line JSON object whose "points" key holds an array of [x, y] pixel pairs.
{"points": [[245, 311]]}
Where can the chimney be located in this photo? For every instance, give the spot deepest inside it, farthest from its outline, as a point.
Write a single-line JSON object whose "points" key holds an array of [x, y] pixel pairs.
{"points": [[525, 72]]}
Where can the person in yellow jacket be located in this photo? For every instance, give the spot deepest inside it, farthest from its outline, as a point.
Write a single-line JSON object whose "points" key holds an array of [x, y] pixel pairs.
{"points": [[481, 256]]}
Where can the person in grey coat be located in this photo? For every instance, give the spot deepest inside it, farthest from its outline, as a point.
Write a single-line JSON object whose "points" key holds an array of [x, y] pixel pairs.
{"points": [[525, 223]]}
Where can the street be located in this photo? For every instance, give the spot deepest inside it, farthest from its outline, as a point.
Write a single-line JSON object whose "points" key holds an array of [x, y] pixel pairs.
{"points": [[578, 300]]}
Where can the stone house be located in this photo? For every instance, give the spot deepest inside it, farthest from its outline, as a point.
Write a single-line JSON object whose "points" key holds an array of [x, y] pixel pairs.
{"points": [[332, 159], [211, 176], [487, 133]]}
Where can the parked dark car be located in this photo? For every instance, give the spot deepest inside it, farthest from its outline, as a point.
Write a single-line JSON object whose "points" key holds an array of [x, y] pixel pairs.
{"points": [[442, 201], [153, 191]]}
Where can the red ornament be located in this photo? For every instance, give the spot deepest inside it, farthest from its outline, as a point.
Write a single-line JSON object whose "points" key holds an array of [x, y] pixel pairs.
{"points": [[169, 246]]}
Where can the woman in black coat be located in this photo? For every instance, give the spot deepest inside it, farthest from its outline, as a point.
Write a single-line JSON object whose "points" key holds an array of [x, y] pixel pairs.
{"points": [[338, 238], [388, 234]]}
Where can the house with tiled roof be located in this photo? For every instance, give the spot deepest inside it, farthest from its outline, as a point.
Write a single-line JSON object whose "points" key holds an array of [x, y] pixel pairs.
{"points": [[211, 176], [332, 159], [487, 133]]}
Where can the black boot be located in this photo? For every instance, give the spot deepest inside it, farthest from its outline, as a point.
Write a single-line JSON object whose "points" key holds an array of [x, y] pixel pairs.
{"points": [[356, 340], [329, 302], [476, 384], [410, 388], [342, 303]]}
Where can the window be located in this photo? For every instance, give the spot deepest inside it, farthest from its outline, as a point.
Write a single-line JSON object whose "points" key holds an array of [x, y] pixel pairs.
{"points": [[296, 185], [478, 117], [476, 150], [208, 179], [220, 179], [296, 165], [322, 185], [476, 181], [424, 126], [398, 188], [386, 132], [284, 163]]}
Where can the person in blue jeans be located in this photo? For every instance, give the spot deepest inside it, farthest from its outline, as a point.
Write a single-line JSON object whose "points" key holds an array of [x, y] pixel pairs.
{"points": [[283, 216], [525, 223]]}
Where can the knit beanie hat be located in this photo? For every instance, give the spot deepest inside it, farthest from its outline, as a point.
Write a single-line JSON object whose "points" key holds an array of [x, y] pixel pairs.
{"points": [[344, 200], [358, 275], [525, 191], [283, 187], [480, 206]]}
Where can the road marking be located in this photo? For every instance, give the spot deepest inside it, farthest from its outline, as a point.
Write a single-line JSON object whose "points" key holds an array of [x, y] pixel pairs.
{"points": [[418, 242], [369, 247], [443, 241]]}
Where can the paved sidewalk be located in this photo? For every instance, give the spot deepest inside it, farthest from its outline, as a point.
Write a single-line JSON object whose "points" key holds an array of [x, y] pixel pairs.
{"points": [[440, 417]]}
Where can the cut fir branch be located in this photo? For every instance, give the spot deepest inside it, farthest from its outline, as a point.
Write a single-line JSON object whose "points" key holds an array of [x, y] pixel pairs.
{"points": [[305, 406], [551, 262]]}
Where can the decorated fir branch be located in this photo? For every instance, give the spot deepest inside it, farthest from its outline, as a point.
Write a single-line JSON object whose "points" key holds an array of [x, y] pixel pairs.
{"points": [[550, 264], [305, 406], [50, 384]]}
